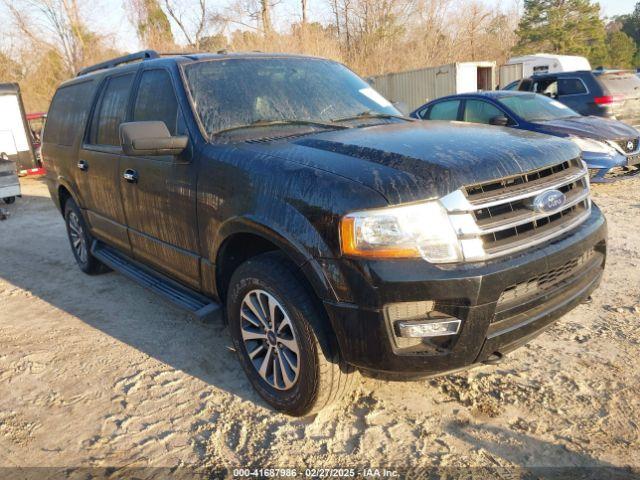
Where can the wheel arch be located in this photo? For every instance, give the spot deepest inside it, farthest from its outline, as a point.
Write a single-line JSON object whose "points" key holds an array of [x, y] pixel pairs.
{"points": [[65, 191], [245, 238], [63, 195]]}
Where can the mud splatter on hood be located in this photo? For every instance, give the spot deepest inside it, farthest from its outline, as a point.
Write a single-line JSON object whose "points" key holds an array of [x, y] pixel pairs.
{"points": [[414, 161]]}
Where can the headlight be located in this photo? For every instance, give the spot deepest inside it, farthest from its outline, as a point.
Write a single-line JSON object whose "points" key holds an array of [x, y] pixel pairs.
{"points": [[418, 230], [590, 145]]}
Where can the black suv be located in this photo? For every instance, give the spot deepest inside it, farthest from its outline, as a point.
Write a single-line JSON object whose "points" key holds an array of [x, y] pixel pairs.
{"points": [[601, 93], [336, 233]]}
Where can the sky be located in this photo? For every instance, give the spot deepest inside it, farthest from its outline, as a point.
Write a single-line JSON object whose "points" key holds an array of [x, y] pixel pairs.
{"points": [[111, 16], [616, 7], [116, 15]]}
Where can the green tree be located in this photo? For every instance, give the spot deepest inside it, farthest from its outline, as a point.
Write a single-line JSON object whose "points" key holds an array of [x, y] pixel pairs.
{"points": [[571, 27], [621, 49], [631, 23]]}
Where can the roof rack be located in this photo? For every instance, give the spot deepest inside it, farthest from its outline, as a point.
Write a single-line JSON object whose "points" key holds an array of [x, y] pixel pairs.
{"points": [[114, 62]]}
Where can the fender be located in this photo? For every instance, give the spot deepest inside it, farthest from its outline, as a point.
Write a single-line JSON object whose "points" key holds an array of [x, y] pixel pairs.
{"points": [[61, 181], [293, 249]]}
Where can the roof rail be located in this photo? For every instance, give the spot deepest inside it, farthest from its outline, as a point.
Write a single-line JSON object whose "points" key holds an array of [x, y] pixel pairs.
{"points": [[114, 62]]}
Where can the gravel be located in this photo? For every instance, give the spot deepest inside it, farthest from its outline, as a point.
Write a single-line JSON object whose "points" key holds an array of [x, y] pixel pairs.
{"points": [[96, 372]]}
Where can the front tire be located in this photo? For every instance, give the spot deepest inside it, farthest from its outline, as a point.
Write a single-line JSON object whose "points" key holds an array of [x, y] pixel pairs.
{"points": [[277, 328], [9, 200], [80, 239]]}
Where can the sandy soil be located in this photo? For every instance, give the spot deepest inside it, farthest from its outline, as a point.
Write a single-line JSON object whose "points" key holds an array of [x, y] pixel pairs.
{"points": [[96, 371]]}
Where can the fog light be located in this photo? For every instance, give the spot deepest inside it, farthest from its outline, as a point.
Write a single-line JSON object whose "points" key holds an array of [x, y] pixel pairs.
{"points": [[420, 329]]}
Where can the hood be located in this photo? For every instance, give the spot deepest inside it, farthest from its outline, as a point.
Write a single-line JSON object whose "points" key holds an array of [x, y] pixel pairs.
{"points": [[597, 128], [414, 161]]}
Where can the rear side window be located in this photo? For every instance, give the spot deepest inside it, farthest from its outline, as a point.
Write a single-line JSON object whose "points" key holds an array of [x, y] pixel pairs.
{"points": [[571, 86], [477, 111], [156, 100], [547, 86], [444, 110], [111, 111], [68, 113]]}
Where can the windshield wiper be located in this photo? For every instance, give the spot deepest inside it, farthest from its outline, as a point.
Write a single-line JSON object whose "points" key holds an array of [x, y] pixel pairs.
{"points": [[271, 123], [369, 115]]}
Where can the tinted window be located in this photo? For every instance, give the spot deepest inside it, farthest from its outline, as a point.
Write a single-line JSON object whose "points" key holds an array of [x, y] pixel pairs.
{"points": [[111, 111], [243, 91], [68, 113], [156, 99], [533, 107], [548, 87], [525, 85], [477, 111], [422, 113], [540, 69], [444, 110], [571, 86]]}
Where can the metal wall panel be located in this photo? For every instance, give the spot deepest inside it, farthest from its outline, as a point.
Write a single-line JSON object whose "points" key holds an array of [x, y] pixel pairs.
{"points": [[510, 73], [416, 87]]}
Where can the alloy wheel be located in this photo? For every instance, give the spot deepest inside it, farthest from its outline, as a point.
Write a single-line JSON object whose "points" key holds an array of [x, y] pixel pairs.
{"points": [[76, 234], [269, 339]]}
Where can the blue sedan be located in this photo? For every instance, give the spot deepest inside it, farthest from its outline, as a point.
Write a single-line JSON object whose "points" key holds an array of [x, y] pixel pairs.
{"points": [[609, 147]]}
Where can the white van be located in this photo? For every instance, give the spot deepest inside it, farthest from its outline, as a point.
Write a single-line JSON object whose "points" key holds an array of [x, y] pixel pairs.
{"points": [[13, 120], [9, 184], [525, 66]]}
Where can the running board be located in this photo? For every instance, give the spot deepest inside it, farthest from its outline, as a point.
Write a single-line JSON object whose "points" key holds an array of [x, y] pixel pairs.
{"points": [[201, 307]]}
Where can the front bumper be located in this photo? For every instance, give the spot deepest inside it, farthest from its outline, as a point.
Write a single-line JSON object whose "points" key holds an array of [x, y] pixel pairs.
{"points": [[470, 293], [601, 165]]}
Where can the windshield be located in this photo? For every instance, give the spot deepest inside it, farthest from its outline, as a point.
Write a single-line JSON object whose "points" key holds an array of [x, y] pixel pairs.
{"points": [[536, 108], [236, 92]]}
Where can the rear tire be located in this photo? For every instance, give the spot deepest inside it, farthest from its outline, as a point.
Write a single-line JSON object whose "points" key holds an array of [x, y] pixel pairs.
{"points": [[80, 239], [9, 200], [278, 330]]}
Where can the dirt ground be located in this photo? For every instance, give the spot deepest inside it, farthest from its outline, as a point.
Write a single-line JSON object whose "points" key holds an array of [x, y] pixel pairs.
{"points": [[97, 371]]}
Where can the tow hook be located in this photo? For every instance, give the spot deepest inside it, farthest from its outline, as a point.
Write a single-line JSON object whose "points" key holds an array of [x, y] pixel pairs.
{"points": [[494, 359]]}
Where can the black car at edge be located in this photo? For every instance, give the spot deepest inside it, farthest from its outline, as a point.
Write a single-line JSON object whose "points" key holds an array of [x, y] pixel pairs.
{"points": [[283, 194]]}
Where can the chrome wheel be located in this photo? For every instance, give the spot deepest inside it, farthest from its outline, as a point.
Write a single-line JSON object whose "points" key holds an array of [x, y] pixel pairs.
{"points": [[269, 339], [76, 235]]}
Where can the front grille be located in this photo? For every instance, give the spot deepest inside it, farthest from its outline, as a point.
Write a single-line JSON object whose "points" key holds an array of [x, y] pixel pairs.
{"points": [[525, 301], [629, 145], [544, 283], [498, 217]]}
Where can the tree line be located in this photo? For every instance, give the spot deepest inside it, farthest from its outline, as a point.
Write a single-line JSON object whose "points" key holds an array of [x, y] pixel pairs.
{"points": [[51, 40], [575, 27]]}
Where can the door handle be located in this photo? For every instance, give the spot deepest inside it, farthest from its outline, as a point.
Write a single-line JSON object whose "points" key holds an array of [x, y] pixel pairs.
{"points": [[130, 176], [83, 165]]}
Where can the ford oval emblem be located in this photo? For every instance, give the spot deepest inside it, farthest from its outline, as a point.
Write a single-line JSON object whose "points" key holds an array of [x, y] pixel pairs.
{"points": [[549, 201]]}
